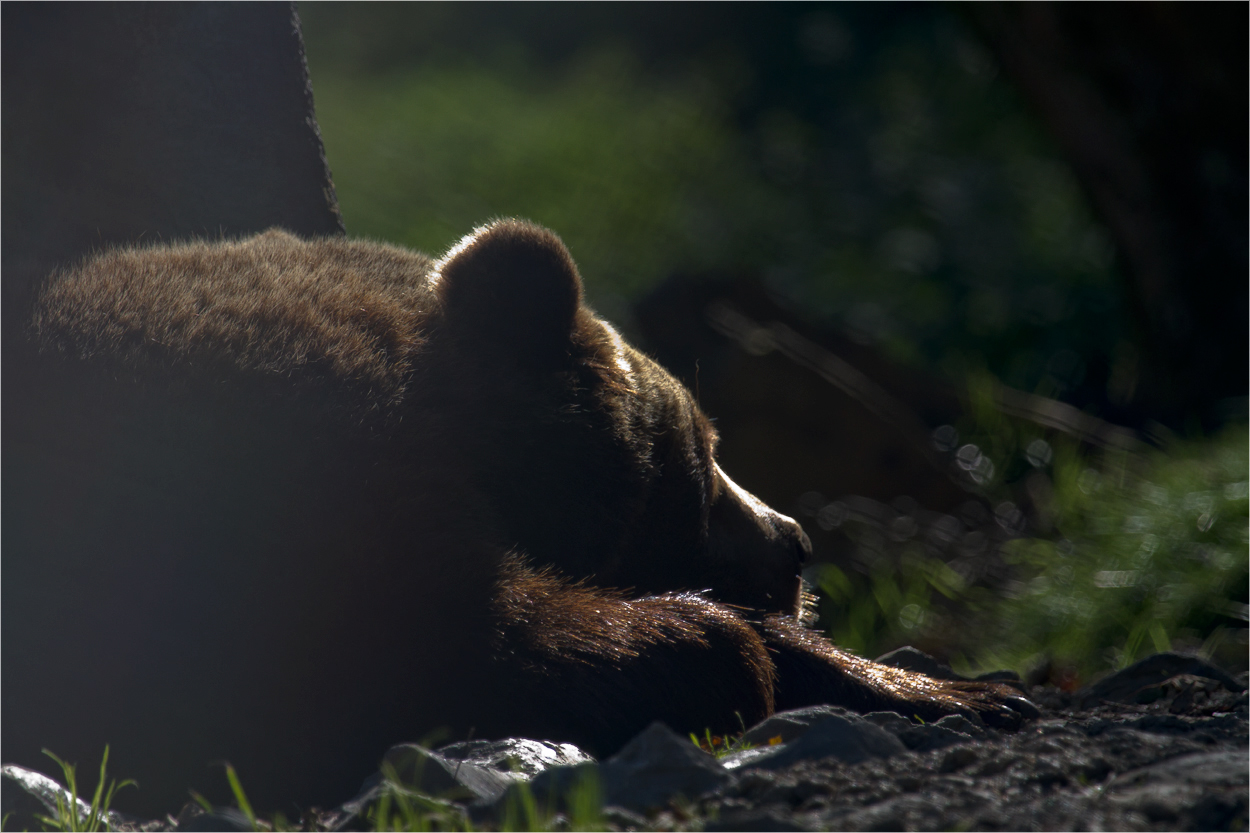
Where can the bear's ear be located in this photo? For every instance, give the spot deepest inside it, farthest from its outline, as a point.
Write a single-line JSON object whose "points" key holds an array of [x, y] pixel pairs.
{"points": [[511, 285]]}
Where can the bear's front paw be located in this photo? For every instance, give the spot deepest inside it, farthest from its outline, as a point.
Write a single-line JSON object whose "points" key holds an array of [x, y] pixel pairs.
{"points": [[1003, 707]]}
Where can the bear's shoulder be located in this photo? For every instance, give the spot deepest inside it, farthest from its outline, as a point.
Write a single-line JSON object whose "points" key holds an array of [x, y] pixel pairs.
{"points": [[353, 310]]}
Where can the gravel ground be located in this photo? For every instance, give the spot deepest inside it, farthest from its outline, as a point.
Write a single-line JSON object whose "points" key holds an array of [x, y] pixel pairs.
{"points": [[1110, 768], [1159, 746]]}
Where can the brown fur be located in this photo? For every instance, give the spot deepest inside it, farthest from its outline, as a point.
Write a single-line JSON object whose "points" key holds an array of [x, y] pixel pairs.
{"points": [[591, 654], [271, 304], [330, 495]]}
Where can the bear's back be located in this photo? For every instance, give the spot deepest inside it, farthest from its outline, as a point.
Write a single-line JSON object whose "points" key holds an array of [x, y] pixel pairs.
{"points": [[350, 310]]}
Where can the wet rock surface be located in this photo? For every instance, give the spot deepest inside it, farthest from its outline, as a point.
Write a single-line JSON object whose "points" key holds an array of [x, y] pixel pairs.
{"points": [[1159, 746]]}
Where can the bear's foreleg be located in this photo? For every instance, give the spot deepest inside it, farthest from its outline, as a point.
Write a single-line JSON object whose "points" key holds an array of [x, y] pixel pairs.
{"points": [[594, 667], [811, 671]]}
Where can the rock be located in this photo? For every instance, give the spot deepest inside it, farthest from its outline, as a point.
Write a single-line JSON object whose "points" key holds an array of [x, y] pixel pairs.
{"points": [[756, 820], [28, 793], [221, 818], [471, 771], [742, 759], [949, 730], [961, 724], [652, 769], [1124, 686], [1122, 767], [23, 804], [850, 740], [893, 814], [515, 755], [913, 659], [1205, 791], [434, 774], [892, 722], [789, 725], [477, 770], [622, 819], [657, 766], [931, 736], [958, 758]]}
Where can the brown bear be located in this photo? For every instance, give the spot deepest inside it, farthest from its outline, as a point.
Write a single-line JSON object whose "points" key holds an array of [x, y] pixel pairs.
{"points": [[284, 503]]}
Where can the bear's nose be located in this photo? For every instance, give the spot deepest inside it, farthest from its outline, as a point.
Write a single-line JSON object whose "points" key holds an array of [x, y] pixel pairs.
{"points": [[804, 547]]}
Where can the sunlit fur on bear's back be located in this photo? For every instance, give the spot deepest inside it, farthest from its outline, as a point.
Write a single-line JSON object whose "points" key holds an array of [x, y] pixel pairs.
{"points": [[355, 310]]}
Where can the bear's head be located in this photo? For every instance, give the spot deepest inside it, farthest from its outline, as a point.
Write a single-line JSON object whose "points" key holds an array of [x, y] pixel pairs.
{"points": [[616, 480]]}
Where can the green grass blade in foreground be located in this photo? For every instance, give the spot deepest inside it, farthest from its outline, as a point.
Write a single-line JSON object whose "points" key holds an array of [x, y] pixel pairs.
{"points": [[68, 816], [239, 796]]}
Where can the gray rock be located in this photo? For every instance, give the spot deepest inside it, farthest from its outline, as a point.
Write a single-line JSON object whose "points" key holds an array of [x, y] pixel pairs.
{"points": [[472, 771], [1204, 769], [930, 737], [791, 724], [1123, 767], [1123, 686], [515, 755], [432, 773], [892, 722], [475, 770], [961, 724], [1204, 791], [892, 814], [913, 659], [743, 758], [622, 819], [850, 740], [770, 820], [652, 769], [949, 730], [28, 793], [657, 766], [958, 758]]}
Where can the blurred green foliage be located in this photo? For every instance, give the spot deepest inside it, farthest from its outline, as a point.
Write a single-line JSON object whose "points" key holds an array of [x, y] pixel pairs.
{"points": [[891, 186], [1149, 554], [635, 176], [1142, 553]]}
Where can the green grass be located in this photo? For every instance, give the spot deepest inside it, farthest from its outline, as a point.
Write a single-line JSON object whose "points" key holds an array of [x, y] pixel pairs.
{"points": [[68, 815], [582, 804], [404, 807], [400, 806], [1148, 553]]}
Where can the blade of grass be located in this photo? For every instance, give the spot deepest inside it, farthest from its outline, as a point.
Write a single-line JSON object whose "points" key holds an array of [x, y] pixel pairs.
{"points": [[239, 796]]}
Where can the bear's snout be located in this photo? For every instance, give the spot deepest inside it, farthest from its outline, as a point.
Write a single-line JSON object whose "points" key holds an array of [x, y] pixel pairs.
{"points": [[758, 551], [804, 544]]}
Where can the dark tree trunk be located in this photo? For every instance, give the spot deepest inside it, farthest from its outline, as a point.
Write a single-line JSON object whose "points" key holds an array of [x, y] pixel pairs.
{"points": [[134, 121], [1148, 101]]}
